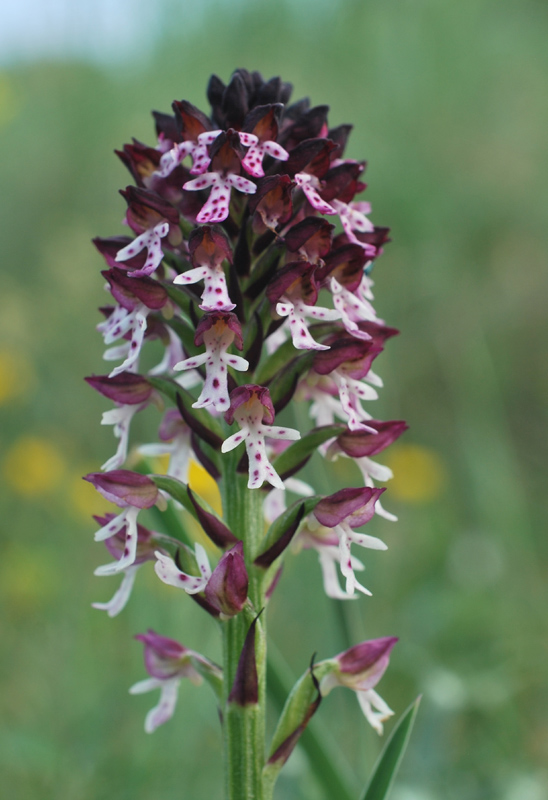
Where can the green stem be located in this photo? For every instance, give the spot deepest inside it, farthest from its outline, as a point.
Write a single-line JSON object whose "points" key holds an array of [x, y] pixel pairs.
{"points": [[244, 726]]}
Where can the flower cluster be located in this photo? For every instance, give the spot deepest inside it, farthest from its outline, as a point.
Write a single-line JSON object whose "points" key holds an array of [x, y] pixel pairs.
{"points": [[250, 267]]}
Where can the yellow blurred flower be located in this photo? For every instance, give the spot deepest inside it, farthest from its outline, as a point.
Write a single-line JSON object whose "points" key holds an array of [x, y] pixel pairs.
{"points": [[419, 473], [85, 499], [203, 484], [28, 577], [33, 466], [16, 375]]}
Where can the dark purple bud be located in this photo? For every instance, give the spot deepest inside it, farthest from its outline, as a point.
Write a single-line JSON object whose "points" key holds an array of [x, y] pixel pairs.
{"points": [[127, 388], [226, 590], [141, 161], [357, 444], [147, 209], [166, 127], [340, 136], [212, 525], [367, 658], [245, 689], [308, 124], [215, 90], [129, 292], [125, 488], [311, 156], [342, 182], [353, 356], [235, 102], [190, 121], [354, 506], [262, 121]]}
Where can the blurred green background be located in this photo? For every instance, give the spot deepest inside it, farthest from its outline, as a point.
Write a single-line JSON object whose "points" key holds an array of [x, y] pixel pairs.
{"points": [[449, 106]]}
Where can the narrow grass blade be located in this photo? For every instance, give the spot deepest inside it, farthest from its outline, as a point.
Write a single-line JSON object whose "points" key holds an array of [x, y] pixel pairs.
{"points": [[390, 758]]}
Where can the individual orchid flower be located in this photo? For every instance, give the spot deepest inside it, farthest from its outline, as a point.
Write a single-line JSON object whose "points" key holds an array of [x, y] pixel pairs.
{"points": [[226, 155], [325, 542], [310, 185], [339, 514], [347, 363], [151, 240], [189, 124], [197, 150], [251, 407], [352, 217], [147, 543], [152, 218], [132, 393], [352, 308], [342, 272], [121, 322], [294, 292], [209, 247], [168, 662], [262, 122], [132, 492], [360, 446], [360, 668], [136, 298], [308, 163], [217, 331], [225, 589], [272, 204]]}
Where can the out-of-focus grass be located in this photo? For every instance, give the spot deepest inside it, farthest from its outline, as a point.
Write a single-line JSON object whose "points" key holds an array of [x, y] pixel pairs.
{"points": [[448, 105]]}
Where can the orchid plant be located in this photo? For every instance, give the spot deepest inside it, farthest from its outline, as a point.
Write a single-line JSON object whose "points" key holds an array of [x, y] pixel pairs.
{"points": [[250, 263]]}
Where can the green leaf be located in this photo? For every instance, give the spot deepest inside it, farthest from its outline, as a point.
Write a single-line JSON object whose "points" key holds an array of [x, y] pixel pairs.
{"points": [[177, 490], [275, 362], [286, 520], [284, 383], [301, 450], [391, 756]]}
